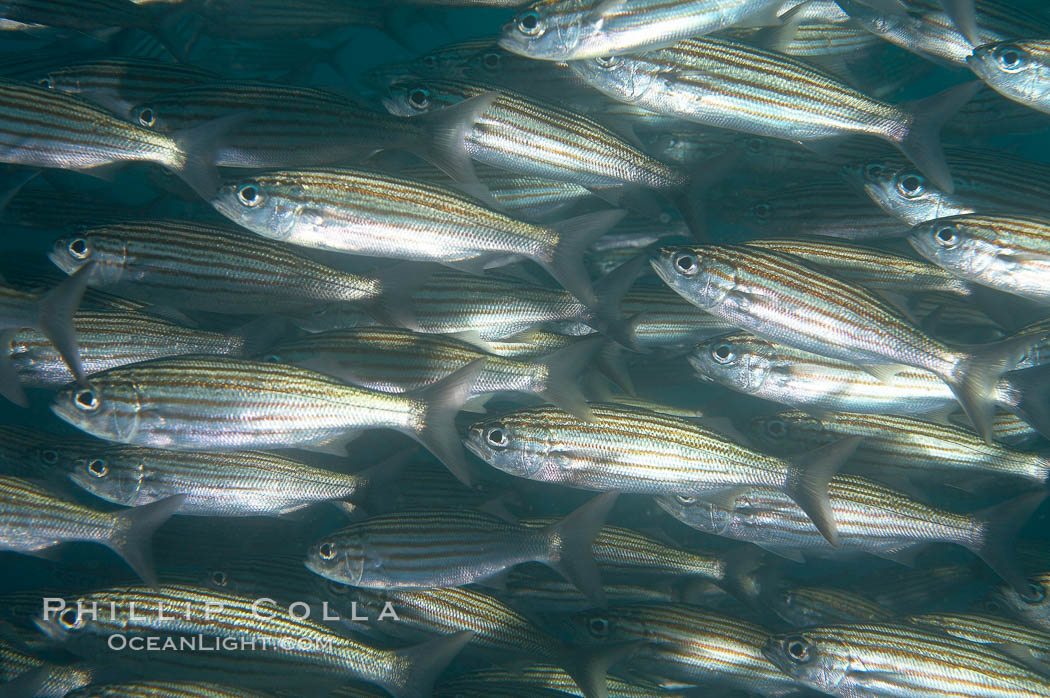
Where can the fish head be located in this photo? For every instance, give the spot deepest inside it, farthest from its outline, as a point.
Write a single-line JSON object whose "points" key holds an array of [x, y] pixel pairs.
{"points": [[1033, 606], [108, 407], [150, 116], [261, 204], [108, 251], [339, 557], [111, 478], [816, 658], [1019, 70], [513, 444], [787, 432], [549, 29], [956, 244], [65, 624], [875, 20], [623, 77], [412, 97], [698, 513], [704, 275], [739, 361]]}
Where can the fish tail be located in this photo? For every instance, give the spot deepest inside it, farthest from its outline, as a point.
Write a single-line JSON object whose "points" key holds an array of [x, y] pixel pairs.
{"points": [[563, 370], [611, 290], [437, 430], [575, 236], [56, 317], [10, 385], [589, 666], [998, 527], [977, 374], [133, 530], [197, 150], [808, 478], [571, 541], [416, 668], [1031, 390], [964, 15], [445, 134], [921, 143]]}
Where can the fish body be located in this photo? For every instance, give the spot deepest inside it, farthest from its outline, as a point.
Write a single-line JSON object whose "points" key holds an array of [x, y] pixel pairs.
{"points": [[120, 83]]}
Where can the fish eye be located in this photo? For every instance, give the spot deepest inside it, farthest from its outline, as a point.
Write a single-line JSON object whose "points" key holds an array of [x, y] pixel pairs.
{"points": [[1036, 594], [272, 358], [326, 551], [430, 61], [798, 650], [686, 264], [78, 248], [419, 98], [1010, 58], [496, 436], [873, 170], [147, 117], [86, 399], [598, 627], [219, 578], [49, 457], [911, 185], [607, 62], [756, 145], [723, 353], [249, 195], [776, 428], [45, 82], [946, 236], [491, 60], [685, 499], [70, 618], [98, 467], [529, 23], [762, 211]]}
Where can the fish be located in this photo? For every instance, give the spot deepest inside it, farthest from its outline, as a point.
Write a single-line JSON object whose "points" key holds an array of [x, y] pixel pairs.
{"points": [[176, 611], [219, 268], [399, 361], [869, 517], [784, 299], [731, 85], [142, 689], [559, 30], [918, 448], [1000, 633], [419, 548], [51, 314], [1030, 603], [803, 606], [34, 520], [377, 215], [891, 659], [1007, 253], [202, 403], [637, 451], [1018, 70], [537, 680]]}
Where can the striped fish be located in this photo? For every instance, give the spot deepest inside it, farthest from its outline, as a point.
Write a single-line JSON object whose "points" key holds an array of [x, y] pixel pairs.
{"points": [[32, 519], [43, 128], [723, 83], [1016, 69], [991, 113], [110, 338], [535, 681], [377, 215], [518, 133], [784, 299], [986, 181], [399, 361], [31, 453], [869, 267], [287, 651], [273, 19], [243, 483], [204, 266], [562, 30], [915, 447], [869, 518], [418, 548], [51, 314], [19, 668], [657, 318], [219, 403], [1009, 253], [169, 689], [648, 453], [802, 606], [1002, 633], [896, 659], [686, 645], [1032, 604], [927, 30], [80, 15], [531, 590]]}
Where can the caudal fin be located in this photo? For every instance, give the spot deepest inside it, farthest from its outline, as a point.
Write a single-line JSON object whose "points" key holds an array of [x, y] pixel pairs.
{"points": [[414, 669], [611, 290], [199, 147], [563, 371], [444, 145], [808, 478], [998, 527], [589, 665], [442, 400], [921, 143], [570, 545], [133, 529], [575, 235], [56, 317], [1029, 395], [964, 16], [976, 376]]}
